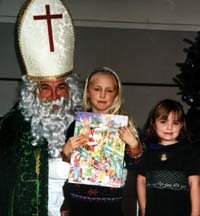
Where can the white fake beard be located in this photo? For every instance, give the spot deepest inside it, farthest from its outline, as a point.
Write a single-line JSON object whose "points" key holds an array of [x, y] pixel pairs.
{"points": [[47, 121], [50, 121]]}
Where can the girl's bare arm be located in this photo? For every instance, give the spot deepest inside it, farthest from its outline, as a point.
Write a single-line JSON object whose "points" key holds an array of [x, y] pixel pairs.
{"points": [[194, 183], [141, 191]]}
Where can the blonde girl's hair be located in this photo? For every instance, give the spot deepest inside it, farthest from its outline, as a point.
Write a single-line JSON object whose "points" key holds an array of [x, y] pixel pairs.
{"points": [[117, 107], [117, 104]]}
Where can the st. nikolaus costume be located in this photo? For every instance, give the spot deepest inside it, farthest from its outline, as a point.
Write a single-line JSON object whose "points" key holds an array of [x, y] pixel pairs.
{"points": [[31, 169]]}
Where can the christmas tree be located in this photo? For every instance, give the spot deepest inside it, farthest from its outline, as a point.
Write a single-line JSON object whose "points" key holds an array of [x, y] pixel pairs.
{"points": [[188, 81]]}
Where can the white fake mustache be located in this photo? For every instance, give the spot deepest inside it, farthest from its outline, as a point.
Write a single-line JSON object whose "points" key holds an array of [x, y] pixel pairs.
{"points": [[53, 105]]}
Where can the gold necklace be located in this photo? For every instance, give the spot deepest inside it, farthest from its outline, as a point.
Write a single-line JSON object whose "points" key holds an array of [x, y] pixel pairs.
{"points": [[163, 156]]}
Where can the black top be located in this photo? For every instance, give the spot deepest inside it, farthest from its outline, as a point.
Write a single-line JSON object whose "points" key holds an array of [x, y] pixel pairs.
{"points": [[167, 169]]}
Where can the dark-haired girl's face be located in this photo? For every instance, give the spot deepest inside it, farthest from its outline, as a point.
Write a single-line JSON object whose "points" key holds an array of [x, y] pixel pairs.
{"points": [[168, 129]]}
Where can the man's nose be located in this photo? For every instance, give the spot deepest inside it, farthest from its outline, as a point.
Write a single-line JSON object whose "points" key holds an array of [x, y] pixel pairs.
{"points": [[54, 95]]}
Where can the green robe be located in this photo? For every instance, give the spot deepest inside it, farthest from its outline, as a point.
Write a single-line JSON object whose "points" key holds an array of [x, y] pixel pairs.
{"points": [[23, 169]]}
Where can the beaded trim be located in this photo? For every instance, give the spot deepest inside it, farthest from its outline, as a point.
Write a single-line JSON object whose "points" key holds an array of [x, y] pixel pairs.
{"points": [[96, 199]]}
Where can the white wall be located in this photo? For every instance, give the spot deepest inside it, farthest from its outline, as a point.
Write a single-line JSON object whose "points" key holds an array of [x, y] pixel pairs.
{"points": [[144, 58], [142, 14], [180, 15]]}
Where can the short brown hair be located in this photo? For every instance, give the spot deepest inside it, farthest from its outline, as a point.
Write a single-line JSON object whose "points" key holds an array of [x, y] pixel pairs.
{"points": [[162, 109]]}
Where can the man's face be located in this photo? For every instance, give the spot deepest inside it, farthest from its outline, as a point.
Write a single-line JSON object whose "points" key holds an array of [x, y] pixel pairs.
{"points": [[52, 90]]}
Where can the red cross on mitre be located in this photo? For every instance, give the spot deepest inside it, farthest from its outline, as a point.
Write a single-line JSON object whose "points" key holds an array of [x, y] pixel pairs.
{"points": [[49, 17]]}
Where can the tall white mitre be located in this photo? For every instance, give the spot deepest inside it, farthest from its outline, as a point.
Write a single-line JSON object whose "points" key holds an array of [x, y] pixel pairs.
{"points": [[46, 39]]}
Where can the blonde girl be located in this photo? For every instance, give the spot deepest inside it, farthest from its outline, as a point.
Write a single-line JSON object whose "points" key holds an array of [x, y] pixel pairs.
{"points": [[102, 94]]}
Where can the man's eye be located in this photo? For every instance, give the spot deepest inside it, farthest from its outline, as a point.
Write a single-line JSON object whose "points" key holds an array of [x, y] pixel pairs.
{"points": [[96, 89], [44, 88], [62, 87], [162, 121]]}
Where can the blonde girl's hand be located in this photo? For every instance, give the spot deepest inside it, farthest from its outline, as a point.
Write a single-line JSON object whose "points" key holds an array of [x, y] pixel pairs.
{"points": [[134, 145], [64, 213], [73, 143], [128, 137]]}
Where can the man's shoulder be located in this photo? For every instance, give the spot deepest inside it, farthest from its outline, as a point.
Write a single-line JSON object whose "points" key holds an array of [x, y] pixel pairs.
{"points": [[14, 115]]}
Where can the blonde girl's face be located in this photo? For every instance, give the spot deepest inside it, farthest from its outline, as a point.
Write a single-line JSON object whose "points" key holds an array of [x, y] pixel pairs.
{"points": [[168, 129], [102, 90]]}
